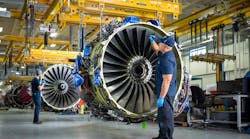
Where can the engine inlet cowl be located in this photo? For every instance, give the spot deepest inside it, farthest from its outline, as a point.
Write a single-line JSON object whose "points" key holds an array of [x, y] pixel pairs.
{"points": [[127, 70]]}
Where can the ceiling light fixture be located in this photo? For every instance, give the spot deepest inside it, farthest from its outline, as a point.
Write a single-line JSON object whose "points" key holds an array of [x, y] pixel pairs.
{"points": [[53, 35], [53, 45], [3, 9], [1, 29]]}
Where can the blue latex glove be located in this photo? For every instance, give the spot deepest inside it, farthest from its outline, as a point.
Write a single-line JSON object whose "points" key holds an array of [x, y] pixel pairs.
{"points": [[160, 101], [152, 38], [42, 82]]}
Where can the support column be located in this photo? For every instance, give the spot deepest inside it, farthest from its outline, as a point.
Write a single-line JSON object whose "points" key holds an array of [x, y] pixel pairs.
{"points": [[27, 70], [248, 51], [32, 24], [5, 68], [71, 35], [218, 65]]}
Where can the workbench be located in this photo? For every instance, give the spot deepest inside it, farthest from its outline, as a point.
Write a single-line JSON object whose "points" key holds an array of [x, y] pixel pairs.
{"points": [[237, 98]]}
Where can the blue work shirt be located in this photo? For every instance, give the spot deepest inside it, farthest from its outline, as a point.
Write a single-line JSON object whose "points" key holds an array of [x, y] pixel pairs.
{"points": [[247, 74], [166, 65], [34, 85]]}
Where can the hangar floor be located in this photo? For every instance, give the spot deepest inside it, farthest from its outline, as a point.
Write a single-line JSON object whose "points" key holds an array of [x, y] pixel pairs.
{"points": [[16, 124]]}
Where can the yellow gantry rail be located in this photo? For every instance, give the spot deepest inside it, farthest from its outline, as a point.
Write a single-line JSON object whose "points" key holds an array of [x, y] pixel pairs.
{"points": [[22, 78], [46, 56], [18, 55], [53, 10], [50, 56], [182, 27], [145, 9], [18, 80], [64, 19], [36, 40]]}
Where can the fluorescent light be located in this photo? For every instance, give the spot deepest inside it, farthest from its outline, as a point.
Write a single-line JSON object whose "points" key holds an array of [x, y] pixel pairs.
{"points": [[1, 29], [53, 45], [53, 35], [22, 67], [17, 73], [3, 9]]}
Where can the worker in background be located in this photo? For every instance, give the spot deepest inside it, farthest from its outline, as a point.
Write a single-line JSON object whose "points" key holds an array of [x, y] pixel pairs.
{"points": [[165, 84], [37, 85]]}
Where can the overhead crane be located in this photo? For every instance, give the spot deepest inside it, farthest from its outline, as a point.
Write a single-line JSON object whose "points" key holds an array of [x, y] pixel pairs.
{"points": [[150, 9], [50, 56], [35, 53], [36, 40], [44, 56], [68, 12], [145, 9], [211, 14]]}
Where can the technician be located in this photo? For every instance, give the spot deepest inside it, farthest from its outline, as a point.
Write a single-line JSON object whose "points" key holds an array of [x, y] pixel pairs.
{"points": [[165, 84], [37, 85]]}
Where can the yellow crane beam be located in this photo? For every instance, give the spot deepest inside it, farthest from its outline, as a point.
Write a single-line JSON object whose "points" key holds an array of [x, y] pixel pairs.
{"points": [[18, 80], [23, 9], [22, 78], [183, 24], [19, 55], [50, 56], [90, 20], [18, 13], [18, 47], [45, 56], [147, 9], [75, 19], [53, 10], [116, 12], [36, 40], [225, 19], [144, 9], [8, 51], [43, 1], [145, 5]]}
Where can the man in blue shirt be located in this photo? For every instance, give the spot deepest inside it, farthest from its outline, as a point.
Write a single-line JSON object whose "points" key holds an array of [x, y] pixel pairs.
{"points": [[165, 84], [36, 87]]}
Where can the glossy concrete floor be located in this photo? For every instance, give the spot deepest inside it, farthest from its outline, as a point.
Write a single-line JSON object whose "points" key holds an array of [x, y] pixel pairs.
{"points": [[16, 124]]}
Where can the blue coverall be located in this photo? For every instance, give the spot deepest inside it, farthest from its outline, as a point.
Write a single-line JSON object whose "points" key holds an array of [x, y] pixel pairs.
{"points": [[36, 97], [166, 65]]}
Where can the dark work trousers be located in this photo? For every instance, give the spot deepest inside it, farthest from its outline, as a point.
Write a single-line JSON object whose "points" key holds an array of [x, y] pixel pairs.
{"points": [[166, 118], [36, 97]]}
